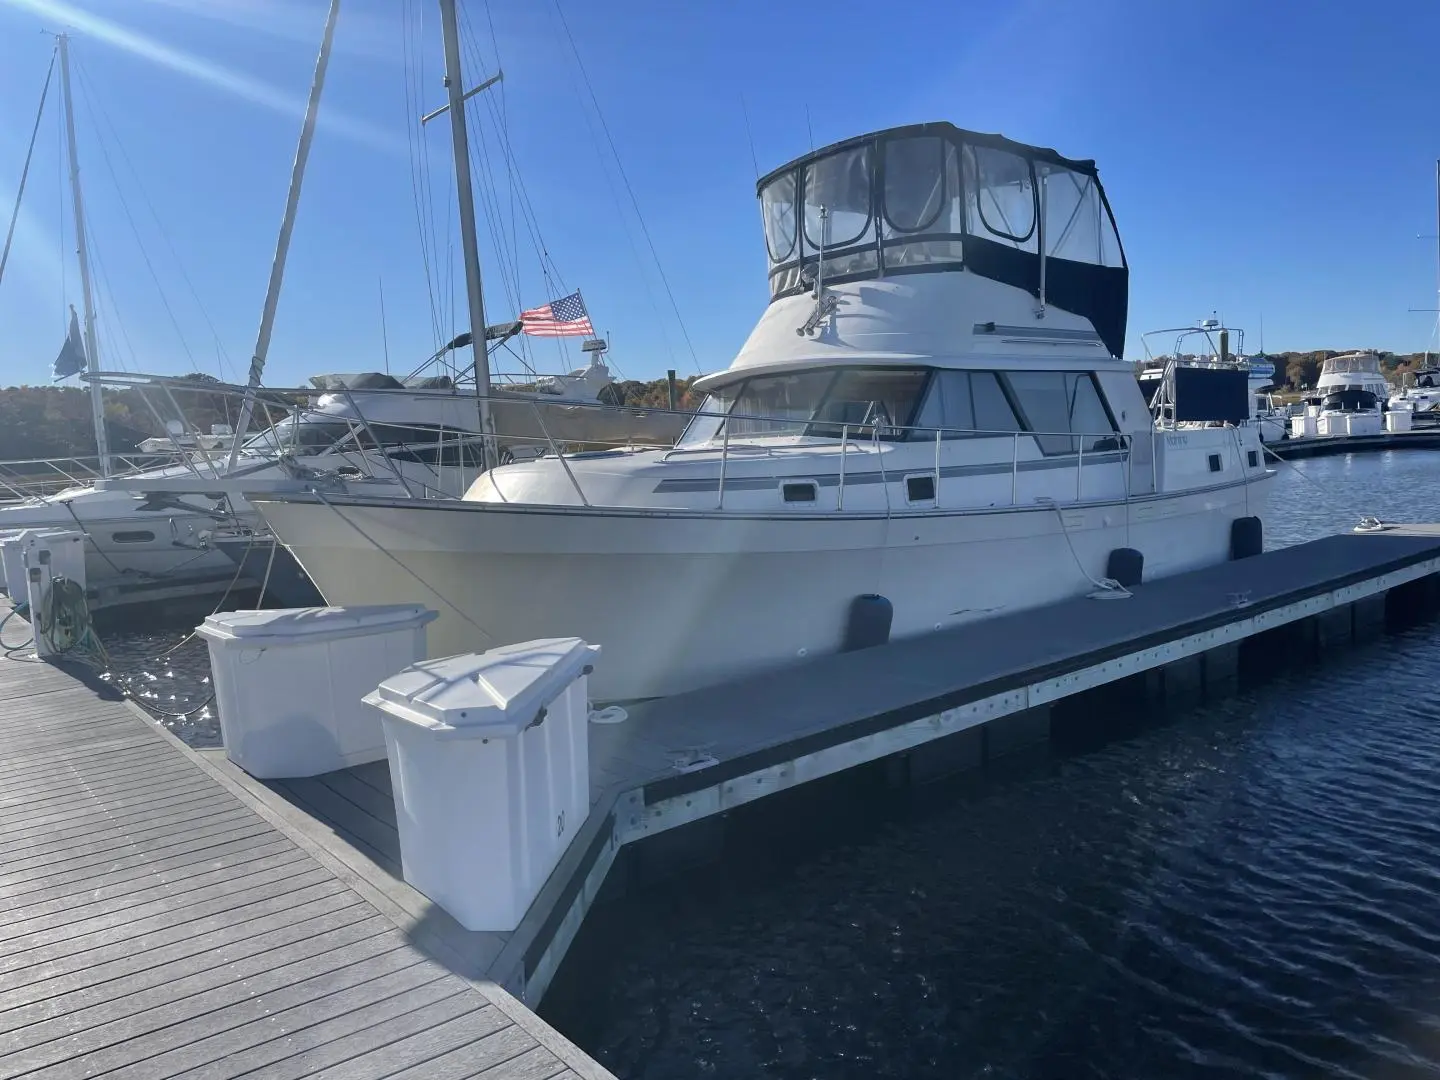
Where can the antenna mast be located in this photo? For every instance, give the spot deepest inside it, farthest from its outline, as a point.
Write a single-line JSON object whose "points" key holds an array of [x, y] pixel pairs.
{"points": [[282, 245], [474, 292]]}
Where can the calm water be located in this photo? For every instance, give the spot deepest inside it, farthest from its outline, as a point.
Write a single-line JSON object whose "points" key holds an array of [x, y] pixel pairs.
{"points": [[167, 671], [1251, 890]]}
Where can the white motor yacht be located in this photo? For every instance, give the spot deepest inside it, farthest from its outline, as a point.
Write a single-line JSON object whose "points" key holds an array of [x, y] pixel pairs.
{"points": [[1419, 392], [1353, 370], [932, 408]]}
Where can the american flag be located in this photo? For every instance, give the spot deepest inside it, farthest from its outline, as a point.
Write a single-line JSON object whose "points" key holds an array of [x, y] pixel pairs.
{"points": [[565, 317]]}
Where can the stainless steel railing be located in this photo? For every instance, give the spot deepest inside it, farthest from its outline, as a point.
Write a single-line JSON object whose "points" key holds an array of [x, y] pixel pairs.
{"points": [[443, 466], [32, 478]]}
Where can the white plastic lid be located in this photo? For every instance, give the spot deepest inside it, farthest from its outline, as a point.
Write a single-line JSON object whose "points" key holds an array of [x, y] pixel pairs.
{"points": [[258, 627], [499, 692]]}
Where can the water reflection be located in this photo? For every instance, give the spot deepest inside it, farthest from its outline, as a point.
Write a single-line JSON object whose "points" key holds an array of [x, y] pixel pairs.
{"points": [[168, 673]]}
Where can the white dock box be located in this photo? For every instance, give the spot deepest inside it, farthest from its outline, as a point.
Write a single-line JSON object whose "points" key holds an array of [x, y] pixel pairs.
{"points": [[490, 765], [1366, 423], [12, 559], [289, 683], [1399, 420], [1303, 427]]}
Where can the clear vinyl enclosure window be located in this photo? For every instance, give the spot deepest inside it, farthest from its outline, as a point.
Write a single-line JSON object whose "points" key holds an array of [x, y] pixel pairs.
{"points": [[1077, 225], [777, 206], [840, 184], [1000, 197]]}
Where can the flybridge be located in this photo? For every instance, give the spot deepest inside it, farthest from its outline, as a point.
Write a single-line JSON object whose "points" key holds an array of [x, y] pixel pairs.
{"points": [[933, 198]]}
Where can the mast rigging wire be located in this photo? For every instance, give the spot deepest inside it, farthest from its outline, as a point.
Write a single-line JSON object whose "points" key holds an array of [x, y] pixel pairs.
{"points": [[25, 172], [620, 168]]}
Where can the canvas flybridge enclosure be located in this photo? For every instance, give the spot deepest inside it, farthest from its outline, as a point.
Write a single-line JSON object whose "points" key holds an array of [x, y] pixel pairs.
{"points": [[933, 198]]}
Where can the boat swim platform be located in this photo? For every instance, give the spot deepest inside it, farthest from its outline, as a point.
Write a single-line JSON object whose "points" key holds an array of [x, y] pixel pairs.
{"points": [[157, 919], [919, 709]]}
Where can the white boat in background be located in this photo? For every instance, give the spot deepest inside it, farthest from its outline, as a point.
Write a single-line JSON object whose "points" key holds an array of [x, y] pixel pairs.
{"points": [[1353, 371], [1419, 391], [162, 534], [932, 409], [1345, 410], [413, 437], [1272, 421]]}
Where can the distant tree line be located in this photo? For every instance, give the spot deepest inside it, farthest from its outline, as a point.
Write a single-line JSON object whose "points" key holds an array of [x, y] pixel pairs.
{"points": [[49, 422], [654, 394], [55, 421]]}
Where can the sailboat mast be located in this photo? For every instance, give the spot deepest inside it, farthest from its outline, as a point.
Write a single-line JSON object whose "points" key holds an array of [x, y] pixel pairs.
{"points": [[92, 352], [282, 245], [469, 244]]}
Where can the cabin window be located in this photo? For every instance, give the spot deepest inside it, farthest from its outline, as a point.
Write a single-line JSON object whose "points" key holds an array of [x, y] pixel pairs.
{"points": [[948, 407], [401, 443], [776, 404], [137, 536], [1055, 403], [1000, 197], [840, 184], [963, 403], [1215, 463], [871, 401], [705, 425], [993, 411], [1043, 401], [1077, 224], [1088, 415], [777, 206], [306, 433]]}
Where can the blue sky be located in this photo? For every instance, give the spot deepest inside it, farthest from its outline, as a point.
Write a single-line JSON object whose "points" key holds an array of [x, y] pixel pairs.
{"points": [[1269, 161]]}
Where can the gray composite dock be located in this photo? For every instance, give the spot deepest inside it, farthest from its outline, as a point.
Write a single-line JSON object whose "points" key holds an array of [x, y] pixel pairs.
{"points": [[157, 920], [989, 685]]}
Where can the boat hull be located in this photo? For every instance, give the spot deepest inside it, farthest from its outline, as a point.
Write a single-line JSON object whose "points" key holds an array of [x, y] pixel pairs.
{"points": [[129, 545], [262, 559], [683, 600]]}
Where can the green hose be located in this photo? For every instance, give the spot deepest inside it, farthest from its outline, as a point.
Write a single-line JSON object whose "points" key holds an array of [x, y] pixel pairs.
{"points": [[63, 623]]}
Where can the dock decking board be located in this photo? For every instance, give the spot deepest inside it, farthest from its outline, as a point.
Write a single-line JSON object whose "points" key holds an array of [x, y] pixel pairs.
{"points": [[155, 920]]}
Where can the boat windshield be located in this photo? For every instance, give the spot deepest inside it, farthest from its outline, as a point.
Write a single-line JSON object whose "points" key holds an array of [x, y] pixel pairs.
{"points": [[818, 404], [312, 435], [1353, 364]]}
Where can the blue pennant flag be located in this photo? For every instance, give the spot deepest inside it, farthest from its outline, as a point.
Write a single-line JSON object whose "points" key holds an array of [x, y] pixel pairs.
{"points": [[71, 360]]}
